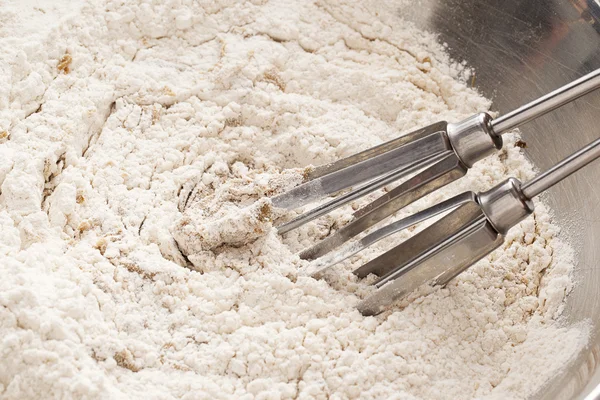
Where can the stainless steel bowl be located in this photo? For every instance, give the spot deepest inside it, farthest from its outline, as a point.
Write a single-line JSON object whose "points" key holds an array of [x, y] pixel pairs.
{"points": [[521, 49]]}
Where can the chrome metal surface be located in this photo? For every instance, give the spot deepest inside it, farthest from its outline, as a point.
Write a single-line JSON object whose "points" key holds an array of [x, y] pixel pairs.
{"points": [[547, 103], [440, 174], [423, 245], [468, 242], [378, 183], [374, 151], [505, 205], [520, 49], [473, 139], [404, 156], [561, 170], [427, 146], [321, 264]]}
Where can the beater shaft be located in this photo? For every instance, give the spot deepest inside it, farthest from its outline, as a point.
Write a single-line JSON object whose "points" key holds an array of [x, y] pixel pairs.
{"points": [[547, 103], [561, 170]]}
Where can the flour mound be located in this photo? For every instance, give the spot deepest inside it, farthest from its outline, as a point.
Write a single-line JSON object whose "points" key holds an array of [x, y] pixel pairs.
{"points": [[231, 215], [231, 225]]}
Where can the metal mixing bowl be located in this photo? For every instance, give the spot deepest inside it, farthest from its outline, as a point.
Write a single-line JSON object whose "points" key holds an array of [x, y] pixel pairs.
{"points": [[521, 49]]}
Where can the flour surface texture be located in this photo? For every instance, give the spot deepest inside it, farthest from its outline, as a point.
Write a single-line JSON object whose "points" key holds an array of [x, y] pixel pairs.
{"points": [[139, 143]]}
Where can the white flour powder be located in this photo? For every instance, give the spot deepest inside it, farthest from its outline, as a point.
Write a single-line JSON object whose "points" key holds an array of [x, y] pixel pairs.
{"points": [[125, 125]]}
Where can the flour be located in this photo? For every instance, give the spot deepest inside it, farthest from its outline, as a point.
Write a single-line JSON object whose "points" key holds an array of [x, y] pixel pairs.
{"points": [[234, 214], [121, 120]]}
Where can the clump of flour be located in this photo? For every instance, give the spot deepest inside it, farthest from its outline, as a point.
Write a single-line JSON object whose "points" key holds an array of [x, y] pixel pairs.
{"points": [[121, 120], [231, 225], [232, 215]]}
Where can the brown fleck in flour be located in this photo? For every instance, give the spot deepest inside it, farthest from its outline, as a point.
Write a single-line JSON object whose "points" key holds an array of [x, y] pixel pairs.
{"points": [[137, 253]]}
